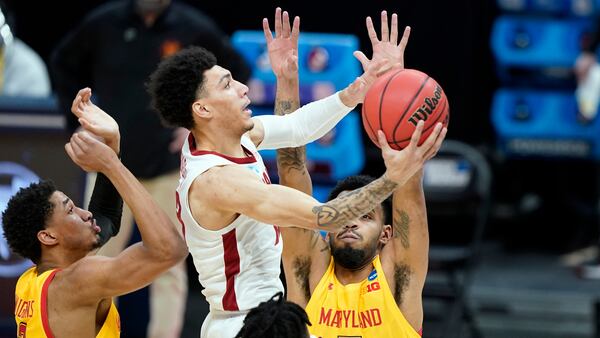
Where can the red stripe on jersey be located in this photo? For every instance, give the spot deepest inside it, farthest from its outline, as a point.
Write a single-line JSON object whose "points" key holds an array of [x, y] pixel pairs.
{"points": [[44, 304], [178, 207], [238, 160], [232, 268]]}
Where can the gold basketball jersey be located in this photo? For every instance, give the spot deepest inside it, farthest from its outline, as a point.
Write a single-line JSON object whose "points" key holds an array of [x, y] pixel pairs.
{"points": [[365, 309], [31, 309]]}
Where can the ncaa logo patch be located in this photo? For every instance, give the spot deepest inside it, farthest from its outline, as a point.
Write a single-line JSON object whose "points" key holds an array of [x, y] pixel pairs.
{"points": [[372, 275]]}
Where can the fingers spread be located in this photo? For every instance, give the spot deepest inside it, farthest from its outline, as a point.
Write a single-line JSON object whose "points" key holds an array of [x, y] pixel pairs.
{"points": [[416, 136], [296, 29], [404, 40], [394, 30], [278, 23], [286, 25], [371, 31], [362, 58], [382, 141], [267, 31], [385, 34]]}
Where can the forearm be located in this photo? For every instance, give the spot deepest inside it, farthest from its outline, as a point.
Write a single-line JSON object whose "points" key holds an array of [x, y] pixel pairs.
{"points": [[338, 212], [305, 125], [158, 234], [106, 206], [291, 162]]}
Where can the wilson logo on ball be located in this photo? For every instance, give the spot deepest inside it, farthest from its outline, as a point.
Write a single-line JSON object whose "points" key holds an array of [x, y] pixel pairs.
{"points": [[427, 108]]}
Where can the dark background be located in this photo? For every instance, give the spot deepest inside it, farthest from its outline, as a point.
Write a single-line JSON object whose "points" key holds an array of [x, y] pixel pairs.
{"points": [[449, 40]]}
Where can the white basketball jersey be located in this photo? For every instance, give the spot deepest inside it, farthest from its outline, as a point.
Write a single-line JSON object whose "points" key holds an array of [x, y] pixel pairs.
{"points": [[239, 264]]}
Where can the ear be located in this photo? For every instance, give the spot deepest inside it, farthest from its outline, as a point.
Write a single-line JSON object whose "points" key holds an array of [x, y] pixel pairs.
{"points": [[46, 237], [386, 234], [200, 110]]}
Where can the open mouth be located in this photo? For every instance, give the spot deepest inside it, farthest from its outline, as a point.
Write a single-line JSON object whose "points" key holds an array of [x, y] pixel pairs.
{"points": [[245, 109], [95, 227]]}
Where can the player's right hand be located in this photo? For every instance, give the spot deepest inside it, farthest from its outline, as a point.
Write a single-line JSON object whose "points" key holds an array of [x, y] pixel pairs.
{"points": [[402, 164], [96, 120], [89, 153]]}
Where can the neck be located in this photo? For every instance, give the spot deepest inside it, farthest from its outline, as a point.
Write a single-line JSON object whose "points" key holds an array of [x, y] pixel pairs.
{"points": [[55, 260], [351, 276], [230, 145]]}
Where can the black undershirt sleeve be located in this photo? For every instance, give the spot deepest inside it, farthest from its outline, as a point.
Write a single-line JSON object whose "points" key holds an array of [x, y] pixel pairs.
{"points": [[106, 205]]}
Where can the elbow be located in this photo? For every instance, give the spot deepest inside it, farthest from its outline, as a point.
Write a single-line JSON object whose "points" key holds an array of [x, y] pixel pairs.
{"points": [[173, 251]]}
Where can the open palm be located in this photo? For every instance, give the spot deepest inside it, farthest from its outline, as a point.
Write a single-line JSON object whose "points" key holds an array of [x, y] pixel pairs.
{"points": [[283, 49], [387, 50], [95, 120]]}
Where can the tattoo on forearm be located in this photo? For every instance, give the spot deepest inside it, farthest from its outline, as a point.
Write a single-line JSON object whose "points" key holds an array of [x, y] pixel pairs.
{"points": [[289, 159], [401, 221], [346, 208]]}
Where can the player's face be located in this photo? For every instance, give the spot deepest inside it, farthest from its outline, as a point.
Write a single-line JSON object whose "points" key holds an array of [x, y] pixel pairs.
{"points": [[227, 100], [73, 227], [359, 241]]}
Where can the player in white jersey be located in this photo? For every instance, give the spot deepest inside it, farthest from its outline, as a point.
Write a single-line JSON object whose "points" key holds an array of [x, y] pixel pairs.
{"points": [[227, 207]]}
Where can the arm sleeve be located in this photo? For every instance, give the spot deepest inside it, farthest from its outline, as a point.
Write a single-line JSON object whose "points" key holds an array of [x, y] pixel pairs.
{"points": [[106, 206], [303, 126]]}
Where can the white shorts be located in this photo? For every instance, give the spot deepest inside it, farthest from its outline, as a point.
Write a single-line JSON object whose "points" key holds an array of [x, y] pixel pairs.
{"points": [[222, 325]]}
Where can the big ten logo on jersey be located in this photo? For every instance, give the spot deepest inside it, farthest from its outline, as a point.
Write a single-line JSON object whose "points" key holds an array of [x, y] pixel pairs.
{"points": [[373, 285], [22, 330]]}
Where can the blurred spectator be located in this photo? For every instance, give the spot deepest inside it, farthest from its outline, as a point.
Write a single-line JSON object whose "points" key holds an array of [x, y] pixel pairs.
{"points": [[587, 71], [113, 51], [22, 71]]}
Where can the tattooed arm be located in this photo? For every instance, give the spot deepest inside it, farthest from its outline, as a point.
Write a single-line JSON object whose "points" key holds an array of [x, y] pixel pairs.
{"points": [[305, 253]]}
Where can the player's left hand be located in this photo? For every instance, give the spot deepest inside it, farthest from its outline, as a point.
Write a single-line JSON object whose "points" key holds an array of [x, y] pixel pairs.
{"points": [[96, 120], [387, 49], [283, 49], [89, 153]]}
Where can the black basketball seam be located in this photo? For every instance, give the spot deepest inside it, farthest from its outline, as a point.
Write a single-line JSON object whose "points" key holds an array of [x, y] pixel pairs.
{"points": [[408, 106], [431, 126], [381, 100], [367, 119]]}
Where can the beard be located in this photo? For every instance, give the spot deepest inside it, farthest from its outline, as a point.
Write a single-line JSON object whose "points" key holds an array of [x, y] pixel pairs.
{"points": [[351, 258]]}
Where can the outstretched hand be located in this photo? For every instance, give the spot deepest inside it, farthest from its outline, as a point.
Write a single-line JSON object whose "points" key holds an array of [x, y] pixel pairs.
{"points": [[283, 49], [89, 153], [402, 164], [96, 120], [387, 50]]}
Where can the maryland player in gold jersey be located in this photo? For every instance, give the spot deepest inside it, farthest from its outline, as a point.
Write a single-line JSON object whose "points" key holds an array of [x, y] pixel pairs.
{"points": [[68, 293], [366, 280]]}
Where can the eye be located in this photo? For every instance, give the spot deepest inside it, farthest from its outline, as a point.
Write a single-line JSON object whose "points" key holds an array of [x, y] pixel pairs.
{"points": [[367, 217], [228, 85], [70, 210]]}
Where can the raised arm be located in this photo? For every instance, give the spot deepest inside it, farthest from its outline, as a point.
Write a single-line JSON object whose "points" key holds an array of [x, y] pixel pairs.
{"points": [[105, 204], [236, 190], [299, 245], [161, 246], [315, 119]]}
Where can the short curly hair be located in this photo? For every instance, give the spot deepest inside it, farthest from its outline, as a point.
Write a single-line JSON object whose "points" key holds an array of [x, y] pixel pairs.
{"points": [[25, 215], [174, 84], [358, 181], [275, 318]]}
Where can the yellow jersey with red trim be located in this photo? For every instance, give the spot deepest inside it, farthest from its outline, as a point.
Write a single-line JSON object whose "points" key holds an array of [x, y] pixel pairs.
{"points": [[31, 307], [365, 309]]}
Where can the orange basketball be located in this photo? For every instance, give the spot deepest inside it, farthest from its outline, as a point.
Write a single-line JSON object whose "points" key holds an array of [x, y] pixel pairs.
{"points": [[398, 100]]}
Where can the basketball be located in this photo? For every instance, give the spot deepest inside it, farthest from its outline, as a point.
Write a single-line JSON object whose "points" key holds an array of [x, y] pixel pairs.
{"points": [[398, 100]]}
